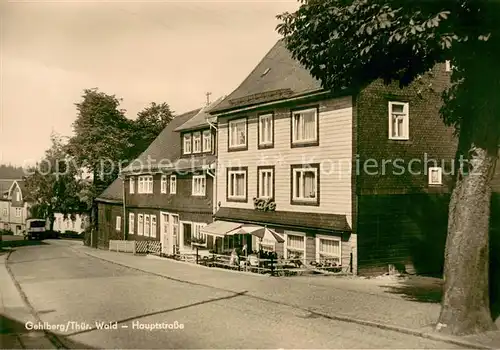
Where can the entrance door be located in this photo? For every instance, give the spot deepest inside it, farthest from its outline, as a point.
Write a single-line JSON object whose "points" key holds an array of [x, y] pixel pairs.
{"points": [[167, 245], [169, 233]]}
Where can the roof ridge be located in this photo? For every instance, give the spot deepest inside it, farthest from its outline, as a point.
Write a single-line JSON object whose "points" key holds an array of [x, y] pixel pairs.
{"points": [[277, 43]]}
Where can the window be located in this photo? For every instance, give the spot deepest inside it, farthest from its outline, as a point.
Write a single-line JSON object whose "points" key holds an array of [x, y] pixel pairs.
{"points": [[305, 184], [140, 225], [198, 188], [435, 176], [207, 141], [5, 211], [173, 184], [145, 184], [328, 250], [265, 185], [118, 223], [153, 225], [266, 130], [237, 185], [447, 65], [131, 223], [146, 225], [305, 126], [18, 196], [19, 212], [399, 121], [164, 184], [295, 247], [238, 133], [132, 185], [187, 144], [196, 231], [197, 142]]}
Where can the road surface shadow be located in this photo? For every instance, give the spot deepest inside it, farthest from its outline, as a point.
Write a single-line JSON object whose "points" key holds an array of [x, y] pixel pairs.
{"points": [[14, 335], [421, 289], [21, 243], [234, 295], [430, 290]]}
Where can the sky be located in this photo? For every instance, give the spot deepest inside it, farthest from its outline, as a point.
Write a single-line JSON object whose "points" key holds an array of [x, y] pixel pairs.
{"points": [[140, 51]]}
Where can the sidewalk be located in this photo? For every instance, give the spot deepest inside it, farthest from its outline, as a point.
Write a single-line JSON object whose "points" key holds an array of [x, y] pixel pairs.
{"points": [[351, 299], [14, 313]]}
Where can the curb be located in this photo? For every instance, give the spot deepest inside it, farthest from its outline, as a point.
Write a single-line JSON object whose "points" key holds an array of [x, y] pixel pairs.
{"points": [[52, 338], [348, 319]]}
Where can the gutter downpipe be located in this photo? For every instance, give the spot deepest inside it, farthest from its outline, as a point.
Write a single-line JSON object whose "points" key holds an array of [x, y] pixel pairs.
{"points": [[122, 177]]}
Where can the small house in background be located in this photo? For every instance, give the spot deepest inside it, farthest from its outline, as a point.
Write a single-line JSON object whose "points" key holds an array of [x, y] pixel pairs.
{"points": [[14, 205], [63, 225]]}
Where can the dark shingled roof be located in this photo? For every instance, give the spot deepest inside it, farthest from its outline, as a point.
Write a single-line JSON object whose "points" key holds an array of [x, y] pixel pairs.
{"points": [[278, 76], [5, 186], [113, 193], [166, 148], [330, 222], [200, 119]]}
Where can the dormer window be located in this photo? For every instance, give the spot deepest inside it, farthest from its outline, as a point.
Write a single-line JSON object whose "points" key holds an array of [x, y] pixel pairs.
{"points": [[187, 144], [18, 196], [197, 142], [207, 141]]}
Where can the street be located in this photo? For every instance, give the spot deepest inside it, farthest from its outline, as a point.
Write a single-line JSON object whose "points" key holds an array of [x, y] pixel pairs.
{"points": [[81, 293]]}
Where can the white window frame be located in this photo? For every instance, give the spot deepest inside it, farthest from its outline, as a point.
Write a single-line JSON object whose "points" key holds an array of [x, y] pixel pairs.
{"points": [[207, 141], [145, 184], [299, 197], [440, 175], [131, 185], [187, 141], [202, 188], [173, 184], [140, 224], [118, 224], [262, 132], [19, 212], [262, 184], [447, 66], [233, 125], [231, 184], [163, 182], [293, 249], [5, 211], [131, 223], [319, 254], [195, 231], [153, 223], [295, 138], [18, 196], [147, 225], [197, 146], [406, 121]]}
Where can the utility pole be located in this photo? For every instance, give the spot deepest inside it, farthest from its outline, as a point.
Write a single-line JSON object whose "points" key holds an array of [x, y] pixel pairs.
{"points": [[208, 97]]}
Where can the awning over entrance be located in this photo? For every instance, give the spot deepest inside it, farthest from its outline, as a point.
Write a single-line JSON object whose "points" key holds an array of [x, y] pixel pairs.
{"points": [[220, 228]]}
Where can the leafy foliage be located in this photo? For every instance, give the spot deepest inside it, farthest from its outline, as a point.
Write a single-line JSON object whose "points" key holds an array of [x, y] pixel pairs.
{"points": [[8, 171], [351, 43], [149, 124], [55, 184]]}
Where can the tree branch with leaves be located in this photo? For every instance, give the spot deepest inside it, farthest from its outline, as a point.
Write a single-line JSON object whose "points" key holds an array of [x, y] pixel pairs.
{"points": [[353, 43]]}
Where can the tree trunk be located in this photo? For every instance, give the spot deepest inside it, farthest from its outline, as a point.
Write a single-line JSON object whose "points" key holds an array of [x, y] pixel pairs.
{"points": [[465, 307]]}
